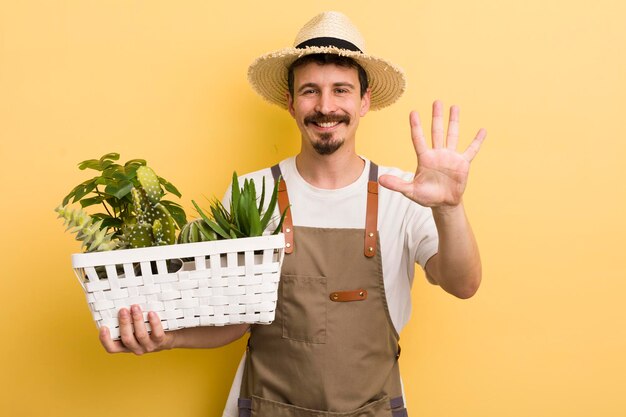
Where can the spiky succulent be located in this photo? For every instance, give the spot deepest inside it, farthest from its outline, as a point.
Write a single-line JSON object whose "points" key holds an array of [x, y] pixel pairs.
{"points": [[93, 238], [246, 217]]}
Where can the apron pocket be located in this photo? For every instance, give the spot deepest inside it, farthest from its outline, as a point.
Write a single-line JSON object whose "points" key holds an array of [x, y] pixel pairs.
{"points": [[304, 303], [267, 408]]}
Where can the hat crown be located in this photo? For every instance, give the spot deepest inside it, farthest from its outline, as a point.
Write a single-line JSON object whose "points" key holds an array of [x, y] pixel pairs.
{"points": [[331, 25]]}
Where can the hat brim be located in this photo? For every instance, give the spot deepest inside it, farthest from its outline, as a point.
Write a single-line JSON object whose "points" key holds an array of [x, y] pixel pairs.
{"points": [[268, 74]]}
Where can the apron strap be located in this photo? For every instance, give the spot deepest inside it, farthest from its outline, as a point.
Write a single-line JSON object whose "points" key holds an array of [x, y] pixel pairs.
{"points": [[245, 407], [397, 407], [371, 214], [283, 204]]}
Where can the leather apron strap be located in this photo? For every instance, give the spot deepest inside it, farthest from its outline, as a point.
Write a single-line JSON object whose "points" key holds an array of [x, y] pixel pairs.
{"points": [[283, 204], [371, 216], [371, 213]]}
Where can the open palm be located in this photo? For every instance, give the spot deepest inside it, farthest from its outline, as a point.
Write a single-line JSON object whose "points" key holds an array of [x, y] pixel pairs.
{"points": [[442, 172]]}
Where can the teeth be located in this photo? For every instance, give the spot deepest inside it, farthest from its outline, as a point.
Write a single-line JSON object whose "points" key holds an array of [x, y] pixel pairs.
{"points": [[326, 125]]}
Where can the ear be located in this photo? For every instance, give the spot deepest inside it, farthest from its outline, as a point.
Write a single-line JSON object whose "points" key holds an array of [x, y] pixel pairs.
{"points": [[365, 102], [292, 112]]}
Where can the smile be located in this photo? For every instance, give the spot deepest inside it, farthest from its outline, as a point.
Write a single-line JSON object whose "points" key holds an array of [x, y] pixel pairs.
{"points": [[326, 122], [327, 125]]}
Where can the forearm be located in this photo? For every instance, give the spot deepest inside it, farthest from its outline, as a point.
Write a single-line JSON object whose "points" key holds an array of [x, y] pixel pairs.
{"points": [[456, 267], [208, 336]]}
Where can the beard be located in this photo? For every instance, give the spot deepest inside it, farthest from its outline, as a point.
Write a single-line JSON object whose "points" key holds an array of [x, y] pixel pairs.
{"points": [[326, 145]]}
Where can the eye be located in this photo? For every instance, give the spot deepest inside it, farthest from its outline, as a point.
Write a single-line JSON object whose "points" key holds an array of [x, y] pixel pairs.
{"points": [[308, 91]]}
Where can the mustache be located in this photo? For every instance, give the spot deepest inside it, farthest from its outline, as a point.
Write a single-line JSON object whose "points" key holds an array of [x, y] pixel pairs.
{"points": [[319, 117]]}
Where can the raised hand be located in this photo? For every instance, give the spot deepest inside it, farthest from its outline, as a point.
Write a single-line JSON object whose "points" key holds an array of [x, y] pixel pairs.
{"points": [[442, 172]]}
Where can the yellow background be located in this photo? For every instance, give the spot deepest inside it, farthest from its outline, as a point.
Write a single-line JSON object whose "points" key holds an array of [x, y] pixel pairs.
{"points": [[166, 81]]}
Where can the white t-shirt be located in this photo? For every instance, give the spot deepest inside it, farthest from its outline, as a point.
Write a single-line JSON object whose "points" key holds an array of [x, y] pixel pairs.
{"points": [[407, 232]]}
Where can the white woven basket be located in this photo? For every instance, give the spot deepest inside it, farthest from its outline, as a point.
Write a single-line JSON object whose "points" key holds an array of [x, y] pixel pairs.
{"points": [[221, 282]]}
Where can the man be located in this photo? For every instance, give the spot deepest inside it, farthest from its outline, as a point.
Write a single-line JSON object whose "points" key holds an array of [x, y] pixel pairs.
{"points": [[351, 245]]}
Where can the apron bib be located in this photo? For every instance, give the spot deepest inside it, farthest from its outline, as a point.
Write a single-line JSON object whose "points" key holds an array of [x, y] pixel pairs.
{"points": [[332, 349]]}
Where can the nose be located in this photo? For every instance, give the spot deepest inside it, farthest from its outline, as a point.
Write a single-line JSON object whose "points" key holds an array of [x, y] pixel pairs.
{"points": [[325, 103]]}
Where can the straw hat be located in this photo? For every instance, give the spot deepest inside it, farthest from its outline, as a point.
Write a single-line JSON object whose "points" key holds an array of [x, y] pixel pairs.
{"points": [[326, 33]]}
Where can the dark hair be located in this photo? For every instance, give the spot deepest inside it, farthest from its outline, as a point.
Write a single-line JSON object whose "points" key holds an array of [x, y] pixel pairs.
{"points": [[325, 59]]}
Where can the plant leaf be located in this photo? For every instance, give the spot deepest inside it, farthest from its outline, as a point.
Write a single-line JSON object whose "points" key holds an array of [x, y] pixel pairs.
{"points": [[110, 171], [221, 216], [242, 214], [91, 164], [80, 186], [177, 212], [271, 206], [80, 193], [238, 233], [91, 201], [135, 162], [251, 190], [255, 219], [208, 234], [112, 222], [119, 190], [216, 228], [108, 164], [119, 175], [130, 171], [99, 164], [235, 194], [280, 223], [170, 187], [113, 155], [262, 200]]}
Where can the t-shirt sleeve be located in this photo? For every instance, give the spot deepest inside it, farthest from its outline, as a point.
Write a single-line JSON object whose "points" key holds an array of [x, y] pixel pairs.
{"points": [[413, 223], [422, 239]]}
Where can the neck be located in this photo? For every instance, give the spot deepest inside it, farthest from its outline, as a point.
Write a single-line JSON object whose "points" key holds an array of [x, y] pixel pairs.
{"points": [[330, 172]]}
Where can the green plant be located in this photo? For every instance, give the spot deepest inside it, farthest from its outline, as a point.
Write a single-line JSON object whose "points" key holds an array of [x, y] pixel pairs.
{"points": [[153, 225], [89, 232], [196, 231], [246, 217], [134, 214]]}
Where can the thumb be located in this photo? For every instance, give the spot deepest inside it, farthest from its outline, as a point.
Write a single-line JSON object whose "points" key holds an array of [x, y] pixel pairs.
{"points": [[396, 184]]}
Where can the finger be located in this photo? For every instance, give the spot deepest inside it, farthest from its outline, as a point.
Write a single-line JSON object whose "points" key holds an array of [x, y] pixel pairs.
{"points": [[453, 128], [141, 332], [474, 147], [417, 134], [126, 332], [157, 334], [437, 125], [396, 184], [110, 345]]}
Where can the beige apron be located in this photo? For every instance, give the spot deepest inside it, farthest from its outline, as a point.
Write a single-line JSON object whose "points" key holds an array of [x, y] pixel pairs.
{"points": [[332, 349]]}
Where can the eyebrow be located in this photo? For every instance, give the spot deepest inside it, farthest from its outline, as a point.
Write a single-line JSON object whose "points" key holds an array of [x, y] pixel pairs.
{"points": [[338, 84]]}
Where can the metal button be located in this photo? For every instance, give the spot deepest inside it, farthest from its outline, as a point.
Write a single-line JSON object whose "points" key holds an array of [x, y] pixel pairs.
{"points": [[287, 230], [361, 294], [335, 296], [371, 249], [288, 245], [371, 234]]}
